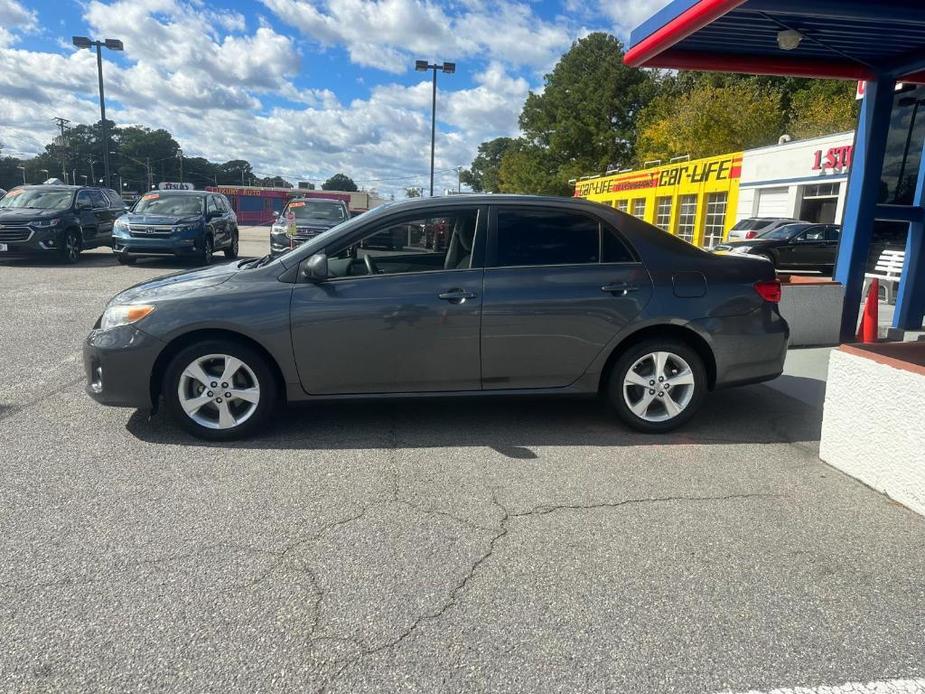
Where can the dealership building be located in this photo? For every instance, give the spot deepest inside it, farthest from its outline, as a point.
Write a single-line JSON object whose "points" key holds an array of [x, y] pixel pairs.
{"points": [[701, 199], [261, 205]]}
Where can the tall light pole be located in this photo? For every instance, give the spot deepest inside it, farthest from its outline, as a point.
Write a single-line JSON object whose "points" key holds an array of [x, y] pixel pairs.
{"points": [[113, 45], [448, 68], [180, 157], [23, 169]]}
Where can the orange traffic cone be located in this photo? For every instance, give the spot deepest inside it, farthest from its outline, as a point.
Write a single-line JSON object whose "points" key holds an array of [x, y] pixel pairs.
{"points": [[867, 332]]}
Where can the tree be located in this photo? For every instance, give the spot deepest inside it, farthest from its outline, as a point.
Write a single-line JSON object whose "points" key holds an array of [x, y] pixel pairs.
{"points": [[528, 168], [274, 182], [482, 175], [339, 181], [710, 120], [585, 117], [236, 172], [413, 192], [823, 107]]}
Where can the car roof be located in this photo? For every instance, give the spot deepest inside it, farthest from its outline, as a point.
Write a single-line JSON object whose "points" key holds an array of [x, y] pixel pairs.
{"points": [[194, 193], [492, 199]]}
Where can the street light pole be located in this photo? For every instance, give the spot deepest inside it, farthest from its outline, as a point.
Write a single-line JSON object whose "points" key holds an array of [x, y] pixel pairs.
{"points": [[23, 169], [180, 157], [448, 68], [113, 45]]}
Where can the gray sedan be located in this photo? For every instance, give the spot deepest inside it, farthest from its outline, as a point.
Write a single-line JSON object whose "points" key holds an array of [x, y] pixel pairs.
{"points": [[529, 296]]}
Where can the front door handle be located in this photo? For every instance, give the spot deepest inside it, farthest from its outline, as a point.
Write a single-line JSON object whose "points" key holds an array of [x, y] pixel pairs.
{"points": [[622, 288], [456, 296]]}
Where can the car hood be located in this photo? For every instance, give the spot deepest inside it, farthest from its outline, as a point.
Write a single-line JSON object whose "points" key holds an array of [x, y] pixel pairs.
{"points": [[176, 284], [160, 219], [20, 214]]}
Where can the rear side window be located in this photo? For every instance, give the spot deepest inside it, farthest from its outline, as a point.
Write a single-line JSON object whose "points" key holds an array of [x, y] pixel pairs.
{"points": [[613, 249], [546, 237], [98, 199], [212, 206]]}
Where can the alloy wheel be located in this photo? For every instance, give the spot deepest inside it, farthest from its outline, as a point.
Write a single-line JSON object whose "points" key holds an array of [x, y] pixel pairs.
{"points": [[658, 386], [218, 391], [71, 247]]}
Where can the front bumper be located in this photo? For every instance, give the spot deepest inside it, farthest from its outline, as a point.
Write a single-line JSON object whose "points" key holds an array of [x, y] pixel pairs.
{"points": [[181, 246], [118, 364], [38, 242], [282, 242]]}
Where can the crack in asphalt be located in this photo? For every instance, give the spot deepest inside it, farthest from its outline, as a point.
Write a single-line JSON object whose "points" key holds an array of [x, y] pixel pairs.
{"points": [[500, 533]]}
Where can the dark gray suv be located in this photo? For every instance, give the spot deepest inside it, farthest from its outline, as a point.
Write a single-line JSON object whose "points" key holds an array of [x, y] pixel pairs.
{"points": [[531, 295]]}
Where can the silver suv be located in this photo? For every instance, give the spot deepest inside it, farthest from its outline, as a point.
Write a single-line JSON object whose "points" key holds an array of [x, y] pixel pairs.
{"points": [[753, 227]]}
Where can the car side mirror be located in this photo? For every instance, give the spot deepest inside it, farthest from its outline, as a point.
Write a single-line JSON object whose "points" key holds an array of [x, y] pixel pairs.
{"points": [[315, 268]]}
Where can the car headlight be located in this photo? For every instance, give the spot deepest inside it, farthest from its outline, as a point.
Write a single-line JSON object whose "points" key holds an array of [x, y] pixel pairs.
{"points": [[278, 229], [185, 228], [741, 249], [124, 314], [120, 226], [45, 223]]}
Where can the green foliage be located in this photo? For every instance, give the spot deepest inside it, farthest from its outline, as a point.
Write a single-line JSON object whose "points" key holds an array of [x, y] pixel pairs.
{"points": [[823, 107], [528, 168], [413, 192], [709, 120], [483, 175], [339, 181]]}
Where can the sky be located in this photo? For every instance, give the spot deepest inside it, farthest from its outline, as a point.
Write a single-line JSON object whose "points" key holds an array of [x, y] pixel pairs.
{"points": [[300, 88]]}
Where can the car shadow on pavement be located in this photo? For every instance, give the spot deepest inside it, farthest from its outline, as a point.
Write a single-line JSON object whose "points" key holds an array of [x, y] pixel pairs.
{"points": [[752, 414], [87, 261]]}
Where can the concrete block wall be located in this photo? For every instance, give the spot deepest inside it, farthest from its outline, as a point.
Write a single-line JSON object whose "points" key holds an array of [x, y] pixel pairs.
{"points": [[873, 425], [813, 312]]}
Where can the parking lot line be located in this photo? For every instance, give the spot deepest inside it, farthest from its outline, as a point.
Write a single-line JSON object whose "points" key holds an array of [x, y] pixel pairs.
{"points": [[913, 686]]}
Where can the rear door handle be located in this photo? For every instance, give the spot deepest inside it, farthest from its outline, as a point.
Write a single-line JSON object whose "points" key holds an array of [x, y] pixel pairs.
{"points": [[622, 288], [456, 296]]}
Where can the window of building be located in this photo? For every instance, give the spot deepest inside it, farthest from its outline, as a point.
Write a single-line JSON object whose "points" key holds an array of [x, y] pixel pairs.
{"points": [[714, 219], [687, 216], [621, 205], [639, 208], [546, 237], [821, 190], [663, 213]]}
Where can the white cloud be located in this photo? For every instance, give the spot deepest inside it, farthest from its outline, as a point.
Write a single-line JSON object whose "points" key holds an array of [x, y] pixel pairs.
{"points": [[390, 34], [15, 18]]}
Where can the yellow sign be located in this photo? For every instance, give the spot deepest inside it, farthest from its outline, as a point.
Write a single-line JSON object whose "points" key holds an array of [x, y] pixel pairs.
{"points": [[695, 200]]}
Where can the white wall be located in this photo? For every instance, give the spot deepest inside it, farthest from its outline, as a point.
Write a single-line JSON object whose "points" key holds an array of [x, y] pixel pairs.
{"points": [[791, 165], [873, 427]]}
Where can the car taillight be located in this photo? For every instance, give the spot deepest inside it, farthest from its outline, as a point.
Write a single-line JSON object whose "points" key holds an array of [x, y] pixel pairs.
{"points": [[769, 290], [751, 234]]}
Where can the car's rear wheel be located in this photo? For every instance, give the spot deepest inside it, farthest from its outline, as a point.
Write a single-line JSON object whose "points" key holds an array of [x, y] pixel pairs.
{"points": [[70, 247], [220, 390], [205, 253], [657, 385], [232, 250]]}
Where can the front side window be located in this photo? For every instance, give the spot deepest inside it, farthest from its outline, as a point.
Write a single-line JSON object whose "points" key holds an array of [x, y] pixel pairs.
{"points": [[212, 205], [97, 199], [832, 233], [714, 219], [663, 213], [172, 205], [687, 215], [425, 244], [546, 237], [84, 199]]}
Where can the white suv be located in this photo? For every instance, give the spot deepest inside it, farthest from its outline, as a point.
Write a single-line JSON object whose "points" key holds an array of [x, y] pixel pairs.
{"points": [[749, 228]]}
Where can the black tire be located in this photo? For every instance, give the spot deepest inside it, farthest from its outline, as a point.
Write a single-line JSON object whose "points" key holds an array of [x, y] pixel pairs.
{"points": [[232, 250], [618, 375], [205, 253], [256, 369], [125, 259], [69, 252]]}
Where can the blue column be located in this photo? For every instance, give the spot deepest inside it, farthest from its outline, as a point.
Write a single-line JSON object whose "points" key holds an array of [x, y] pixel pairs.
{"points": [[863, 192], [910, 299]]}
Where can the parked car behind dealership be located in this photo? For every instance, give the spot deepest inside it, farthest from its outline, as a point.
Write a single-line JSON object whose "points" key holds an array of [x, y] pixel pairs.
{"points": [[532, 295], [800, 246], [57, 220], [185, 223], [756, 226], [313, 216]]}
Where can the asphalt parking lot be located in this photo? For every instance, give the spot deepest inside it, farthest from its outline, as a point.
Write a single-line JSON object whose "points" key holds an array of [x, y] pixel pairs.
{"points": [[503, 546]]}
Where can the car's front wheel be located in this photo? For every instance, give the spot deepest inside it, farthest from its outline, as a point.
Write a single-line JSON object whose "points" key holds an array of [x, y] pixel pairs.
{"points": [[205, 252], [219, 390], [70, 247], [657, 385]]}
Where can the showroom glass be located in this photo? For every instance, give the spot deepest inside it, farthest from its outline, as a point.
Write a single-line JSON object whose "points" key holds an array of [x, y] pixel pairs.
{"points": [[555, 237], [318, 211], [156, 203], [38, 199], [687, 216], [903, 147], [715, 219], [424, 244]]}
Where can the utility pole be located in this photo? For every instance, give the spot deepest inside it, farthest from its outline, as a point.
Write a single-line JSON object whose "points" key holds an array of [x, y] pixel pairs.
{"points": [[180, 157], [459, 179], [62, 143]]}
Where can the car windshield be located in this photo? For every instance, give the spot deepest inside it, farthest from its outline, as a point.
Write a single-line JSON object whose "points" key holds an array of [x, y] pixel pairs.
{"points": [[37, 198], [788, 231], [172, 205], [318, 210]]}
